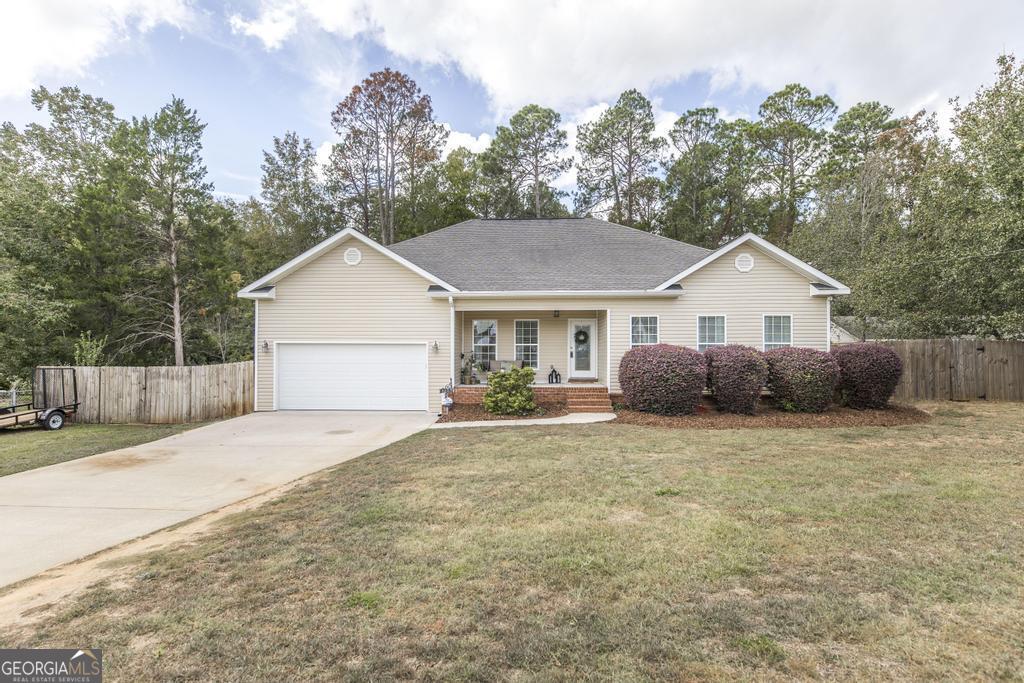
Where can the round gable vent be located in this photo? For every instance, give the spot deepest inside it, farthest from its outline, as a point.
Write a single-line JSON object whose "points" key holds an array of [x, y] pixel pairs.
{"points": [[353, 256], [744, 263]]}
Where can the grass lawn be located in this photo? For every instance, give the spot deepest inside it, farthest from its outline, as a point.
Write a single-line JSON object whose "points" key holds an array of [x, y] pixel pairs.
{"points": [[603, 551], [31, 447]]}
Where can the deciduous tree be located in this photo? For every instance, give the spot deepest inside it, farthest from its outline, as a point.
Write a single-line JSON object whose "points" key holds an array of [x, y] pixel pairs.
{"points": [[393, 121]]}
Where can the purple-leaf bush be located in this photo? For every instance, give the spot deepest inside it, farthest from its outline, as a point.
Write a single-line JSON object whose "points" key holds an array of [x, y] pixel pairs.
{"points": [[662, 379], [868, 374], [802, 380], [736, 374]]}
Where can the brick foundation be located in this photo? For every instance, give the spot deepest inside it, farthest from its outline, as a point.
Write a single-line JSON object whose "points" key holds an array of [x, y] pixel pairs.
{"points": [[581, 398]]}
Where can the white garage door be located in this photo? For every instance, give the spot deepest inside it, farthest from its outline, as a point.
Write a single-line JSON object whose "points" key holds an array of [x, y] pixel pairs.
{"points": [[351, 376]]}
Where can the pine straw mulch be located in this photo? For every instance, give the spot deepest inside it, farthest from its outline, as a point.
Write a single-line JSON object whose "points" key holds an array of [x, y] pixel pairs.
{"points": [[467, 412], [770, 416]]}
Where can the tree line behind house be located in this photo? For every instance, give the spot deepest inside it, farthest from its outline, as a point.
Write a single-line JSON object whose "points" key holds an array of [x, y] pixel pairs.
{"points": [[114, 247]]}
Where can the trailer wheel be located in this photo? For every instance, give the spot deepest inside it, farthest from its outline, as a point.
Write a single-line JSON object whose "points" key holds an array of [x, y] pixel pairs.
{"points": [[54, 420]]}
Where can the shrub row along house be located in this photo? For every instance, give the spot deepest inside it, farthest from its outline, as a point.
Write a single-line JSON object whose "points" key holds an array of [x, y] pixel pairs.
{"points": [[351, 324], [671, 380]]}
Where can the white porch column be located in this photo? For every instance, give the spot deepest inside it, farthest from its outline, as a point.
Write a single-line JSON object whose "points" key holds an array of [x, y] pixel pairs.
{"points": [[451, 337]]}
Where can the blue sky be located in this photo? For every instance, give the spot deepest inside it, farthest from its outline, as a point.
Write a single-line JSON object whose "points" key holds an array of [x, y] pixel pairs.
{"points": [[257, 69]]}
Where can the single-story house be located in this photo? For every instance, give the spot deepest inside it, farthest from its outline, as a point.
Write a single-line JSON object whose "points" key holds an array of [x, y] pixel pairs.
{"points": [[354, 325]]}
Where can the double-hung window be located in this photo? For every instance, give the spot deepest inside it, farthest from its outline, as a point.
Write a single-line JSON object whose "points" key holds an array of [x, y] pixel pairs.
{"points": [[710, 331], [778, 331], [527, 342], [485, 340], [643, 329]]}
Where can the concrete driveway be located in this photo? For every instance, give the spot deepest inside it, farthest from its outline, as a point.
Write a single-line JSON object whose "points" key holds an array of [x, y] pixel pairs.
{"points": [[63, 512]]}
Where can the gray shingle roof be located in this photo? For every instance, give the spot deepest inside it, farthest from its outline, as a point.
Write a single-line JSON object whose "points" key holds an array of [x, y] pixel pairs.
{"points": [[548, 254]]}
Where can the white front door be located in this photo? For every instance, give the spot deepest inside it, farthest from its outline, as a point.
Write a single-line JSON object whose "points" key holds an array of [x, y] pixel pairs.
{"points": [[355, 376], [582, 349]]}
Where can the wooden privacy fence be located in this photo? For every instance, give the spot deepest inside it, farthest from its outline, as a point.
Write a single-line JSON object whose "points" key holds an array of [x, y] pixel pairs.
{"points": [[161, 394], [960, 369]]}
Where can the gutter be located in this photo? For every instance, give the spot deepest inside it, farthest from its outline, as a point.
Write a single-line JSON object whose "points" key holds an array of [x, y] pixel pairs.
{"points": [[565, 294]]}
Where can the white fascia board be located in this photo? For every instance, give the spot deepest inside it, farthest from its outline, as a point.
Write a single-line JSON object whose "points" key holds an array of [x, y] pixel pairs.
{"points": [[571, 293], [782, 255], [243, 294], [312, 253], [838, 291]]}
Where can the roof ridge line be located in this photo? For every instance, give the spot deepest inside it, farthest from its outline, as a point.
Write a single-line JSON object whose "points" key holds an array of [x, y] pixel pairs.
{"points": [[434, 232], [652, 234]]}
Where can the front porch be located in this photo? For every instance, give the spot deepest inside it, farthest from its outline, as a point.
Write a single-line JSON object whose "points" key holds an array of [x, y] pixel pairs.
{"points": [[562, 346], [568, 350]]}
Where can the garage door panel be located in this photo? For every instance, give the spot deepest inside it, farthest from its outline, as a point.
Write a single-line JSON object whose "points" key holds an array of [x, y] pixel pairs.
{"points": [[334, 376]]}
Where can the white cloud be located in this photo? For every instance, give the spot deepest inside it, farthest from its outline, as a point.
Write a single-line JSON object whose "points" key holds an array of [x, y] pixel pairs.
{"points": [[474, 143], [570, 53], [663, 120], [239, 197], [45, 38], [571, 125], [272, 26], [278, 20]]}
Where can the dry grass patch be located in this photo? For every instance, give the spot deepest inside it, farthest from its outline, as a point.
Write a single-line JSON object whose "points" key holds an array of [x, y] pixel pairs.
{"points": [[27, 448], [604, 551]]}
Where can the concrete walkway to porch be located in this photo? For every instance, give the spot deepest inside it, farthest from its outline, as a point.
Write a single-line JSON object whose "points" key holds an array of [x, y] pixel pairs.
{"points": [[570, 419]]}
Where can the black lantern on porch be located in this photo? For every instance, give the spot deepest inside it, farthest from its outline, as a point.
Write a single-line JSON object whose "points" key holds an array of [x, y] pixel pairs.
{"points": [[554, 377]]}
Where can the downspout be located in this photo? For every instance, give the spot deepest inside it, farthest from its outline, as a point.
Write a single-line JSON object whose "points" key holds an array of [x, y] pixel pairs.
{"points": [[828, 324]]}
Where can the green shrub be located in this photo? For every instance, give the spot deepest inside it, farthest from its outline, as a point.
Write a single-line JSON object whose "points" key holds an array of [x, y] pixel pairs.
{"points": [[509, 392]]}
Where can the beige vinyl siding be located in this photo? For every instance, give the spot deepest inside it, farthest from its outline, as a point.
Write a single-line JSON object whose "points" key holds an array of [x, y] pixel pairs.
{"points": [[593, 307], [376, 300], [553, 333], [716, 289], [744, 298]]}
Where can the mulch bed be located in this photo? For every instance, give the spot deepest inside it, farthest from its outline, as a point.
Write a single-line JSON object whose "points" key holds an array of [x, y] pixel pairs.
{"points": [[467, 412], [770, 416]]}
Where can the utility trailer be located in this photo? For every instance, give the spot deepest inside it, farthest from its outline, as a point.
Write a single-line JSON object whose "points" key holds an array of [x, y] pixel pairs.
{"points": [[54, 397]]}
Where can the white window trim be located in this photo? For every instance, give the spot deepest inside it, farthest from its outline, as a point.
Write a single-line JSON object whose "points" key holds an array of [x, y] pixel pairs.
{"points": [[472, 335], [516, 344], [764, 329], [656, 317], [725, 328]]}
